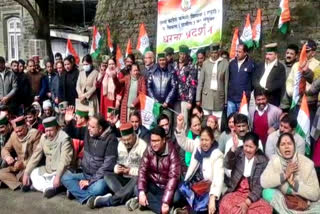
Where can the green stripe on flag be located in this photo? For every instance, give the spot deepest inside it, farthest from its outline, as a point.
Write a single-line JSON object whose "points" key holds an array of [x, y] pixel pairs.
{"points": [[284, 28], [300, 132], [156, 113]]}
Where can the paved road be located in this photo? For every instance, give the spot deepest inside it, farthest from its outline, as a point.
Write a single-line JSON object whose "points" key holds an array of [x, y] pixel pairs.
{"points": [[33, 203]]}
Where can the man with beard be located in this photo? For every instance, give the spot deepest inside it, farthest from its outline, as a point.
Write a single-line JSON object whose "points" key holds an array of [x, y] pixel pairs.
{"points": [[22, 142], [5, 133], [38, 87], [201, 57], [141, 131], [129, 61], [124, 177], [288, 124], [61, 111], [32, 119], [264, 117], [270, 75], [170, 58], [55, 146], [22, 97]]}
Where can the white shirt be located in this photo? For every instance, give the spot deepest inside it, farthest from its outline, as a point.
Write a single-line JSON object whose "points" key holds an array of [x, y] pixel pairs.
{"points": [[247, 167], [267, 70], [240, 62], [263, 110]]}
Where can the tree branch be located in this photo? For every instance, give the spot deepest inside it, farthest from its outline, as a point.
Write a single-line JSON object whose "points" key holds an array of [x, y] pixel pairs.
{"points": [[28, 6]]}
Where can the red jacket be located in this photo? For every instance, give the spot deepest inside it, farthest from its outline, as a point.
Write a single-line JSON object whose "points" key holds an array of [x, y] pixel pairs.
{"points": [[162, 170]]}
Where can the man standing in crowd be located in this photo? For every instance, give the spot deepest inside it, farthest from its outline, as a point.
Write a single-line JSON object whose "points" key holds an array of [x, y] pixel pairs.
{"points": [[213, 84], [100, 156], [170, 58], [186, 82], [271, 75], [159, 173], [264, 117], [123, 180], [288, 124], [201, 57], [5, 133], [56, 146], [310, 71], [241, 70], [8, 85], [35, 79], [149, 65], [48, 78], [23, 142]]}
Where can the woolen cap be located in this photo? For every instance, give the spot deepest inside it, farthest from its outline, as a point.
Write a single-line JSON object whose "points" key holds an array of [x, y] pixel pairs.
{"points": [[3, 120], [19, 121], [126, 129], [169, 51], [46, 104], [184, 49], [272, 47], [50, 122]]}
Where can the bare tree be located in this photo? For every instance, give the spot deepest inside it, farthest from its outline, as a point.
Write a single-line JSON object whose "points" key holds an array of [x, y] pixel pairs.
{"points": [[39, 12]]}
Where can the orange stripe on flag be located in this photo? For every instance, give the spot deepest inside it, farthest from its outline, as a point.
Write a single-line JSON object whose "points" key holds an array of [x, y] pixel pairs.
{"points": [[142, 32], [142, 98], [303, 56], [234, 44], [256, 22], [129, 48], [304, 105], [285, 15]]}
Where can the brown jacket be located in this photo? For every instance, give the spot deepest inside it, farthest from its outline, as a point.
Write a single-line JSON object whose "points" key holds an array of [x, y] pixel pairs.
{"points": [[142, 88], [23, 149]]}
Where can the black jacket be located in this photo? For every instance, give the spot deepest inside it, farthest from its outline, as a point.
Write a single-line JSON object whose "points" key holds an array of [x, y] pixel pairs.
{"points": [[100, 154], [276, 81], [162, 86], [68, 85], [144, 134]]}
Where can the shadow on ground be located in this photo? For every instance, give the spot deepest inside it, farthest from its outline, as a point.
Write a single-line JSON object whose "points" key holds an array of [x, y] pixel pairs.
{"points": [[33, 203]]}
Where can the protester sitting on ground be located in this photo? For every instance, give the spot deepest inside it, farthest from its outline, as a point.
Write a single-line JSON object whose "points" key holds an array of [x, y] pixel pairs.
{"points": [[205, 170], [141, 131], [212, 122], [244, 190], [47, 109], [290, 180], [32, 119], [100, 156], [22, 142], [288, 124], [55, 145], [227, 134], [197, 110], [123, 179], [5, 133], [60, 113], [159, 174]]}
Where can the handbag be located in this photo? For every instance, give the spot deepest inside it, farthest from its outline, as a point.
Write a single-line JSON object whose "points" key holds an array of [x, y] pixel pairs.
{"points": [[295, 202], [201, 187]]}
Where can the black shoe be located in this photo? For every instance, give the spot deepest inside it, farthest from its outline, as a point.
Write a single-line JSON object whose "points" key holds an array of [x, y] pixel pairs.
{"points": [[90, 202], [25, 188], [49, 193], [69, 195]]}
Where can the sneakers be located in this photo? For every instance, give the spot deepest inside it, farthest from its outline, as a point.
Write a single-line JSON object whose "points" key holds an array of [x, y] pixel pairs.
{"points": [[102, 201], [132, 204], [90, 202], [181, 211], [69, 195], [50, 192]]}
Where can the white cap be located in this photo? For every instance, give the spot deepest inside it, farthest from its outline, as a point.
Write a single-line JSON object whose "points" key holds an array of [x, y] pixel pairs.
{"points": [[46, 104]]}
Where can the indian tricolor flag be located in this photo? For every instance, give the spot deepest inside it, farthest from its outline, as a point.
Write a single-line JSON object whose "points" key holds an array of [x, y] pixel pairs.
{"points": [[303, 127], [150, 111], [285, 16], [96, 42], [129, 48], [302, 60], [143, 40], [71, 51], [234, 44], [256, 29], [119, 58], [246, 36], [109, 39], [244, 105]]}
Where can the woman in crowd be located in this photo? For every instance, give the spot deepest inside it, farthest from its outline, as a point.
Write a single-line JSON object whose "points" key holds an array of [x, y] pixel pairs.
{"points": [[109, 88], [212, 122], [68, 81], [247, 164], [134, 84], [193, 136], [86, 85], [203, 182], [291, 180], [227, 134]]}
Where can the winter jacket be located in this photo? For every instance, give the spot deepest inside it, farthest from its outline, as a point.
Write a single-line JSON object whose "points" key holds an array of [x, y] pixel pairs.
{"points": [[162, 86], [235, 161], [8, 85], [68, 86], [55, 89], [23, 90], [187, 83], [242, 78], [162, 170], [100, 153]]}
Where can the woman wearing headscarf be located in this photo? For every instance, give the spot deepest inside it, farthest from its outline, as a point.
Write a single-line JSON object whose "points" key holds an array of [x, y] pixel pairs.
{"points": [[109, 86], [246, 164], [86, 85], [290, 180], [203, 183]]}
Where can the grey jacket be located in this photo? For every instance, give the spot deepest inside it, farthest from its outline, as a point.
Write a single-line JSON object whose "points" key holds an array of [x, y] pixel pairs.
{"points": [[273, 112], [8, 84], [211, 99]]}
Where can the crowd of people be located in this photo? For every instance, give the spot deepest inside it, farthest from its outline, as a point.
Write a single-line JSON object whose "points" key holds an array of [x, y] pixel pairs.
{"points": [[78, 129]]}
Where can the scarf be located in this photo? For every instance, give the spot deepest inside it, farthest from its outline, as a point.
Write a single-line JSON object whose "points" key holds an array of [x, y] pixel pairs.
{"points": [[267, 70], [284, 162], [108, 84], [200, 154], [214, 76]]}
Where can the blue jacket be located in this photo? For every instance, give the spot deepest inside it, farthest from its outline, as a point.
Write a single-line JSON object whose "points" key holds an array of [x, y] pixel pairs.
{"points": [[240, 79], [162, 85]]}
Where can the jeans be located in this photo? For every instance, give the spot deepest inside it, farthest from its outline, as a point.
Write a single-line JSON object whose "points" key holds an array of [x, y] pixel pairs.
{"points": [[71, 182], [122, 187], [232, 107]]}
